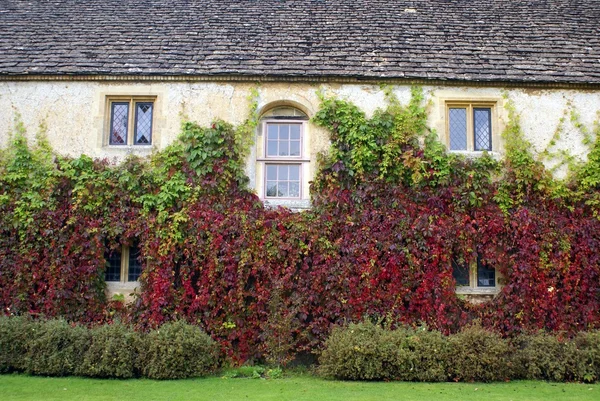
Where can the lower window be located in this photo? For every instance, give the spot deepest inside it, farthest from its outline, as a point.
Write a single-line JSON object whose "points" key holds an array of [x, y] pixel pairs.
{"points": [[283, 180], [474, 277], [123, 265]]}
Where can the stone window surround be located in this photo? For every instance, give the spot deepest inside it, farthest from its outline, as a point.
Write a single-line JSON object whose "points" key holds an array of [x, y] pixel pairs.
{"points": [[123, 286], [473, 288], [440, 121]]}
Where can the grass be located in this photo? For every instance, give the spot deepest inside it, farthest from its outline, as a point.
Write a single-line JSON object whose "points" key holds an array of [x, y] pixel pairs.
{"points": [[298, 387]]}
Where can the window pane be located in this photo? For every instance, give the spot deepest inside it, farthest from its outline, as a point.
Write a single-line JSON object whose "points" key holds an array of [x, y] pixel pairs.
{"points": [[271, 173], [113, 265], [143, 124], [118, 123], [295, 131], [460, 272], [294, 173], [135, 266], [294, 148], [284, 132], [486, 276], [272, 188], [458, 128], [294, 189], [283, 189], [282, 172], [272, 148], [482, 118], [272, 131]]}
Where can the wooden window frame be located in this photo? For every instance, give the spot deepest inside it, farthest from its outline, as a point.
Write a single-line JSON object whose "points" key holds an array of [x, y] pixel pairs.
{"points": [[132, 117], [474, 288], [470, 106], [124, 272]]}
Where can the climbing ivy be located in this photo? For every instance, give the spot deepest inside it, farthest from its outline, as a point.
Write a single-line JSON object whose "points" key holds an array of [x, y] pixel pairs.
{"points": [[392, 209]]}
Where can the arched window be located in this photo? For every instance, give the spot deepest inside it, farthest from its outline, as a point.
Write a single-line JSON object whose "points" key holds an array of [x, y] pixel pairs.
{"points": [[282, 154]]}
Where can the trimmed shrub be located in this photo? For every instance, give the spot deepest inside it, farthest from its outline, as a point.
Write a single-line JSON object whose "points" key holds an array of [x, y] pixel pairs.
{"points": [[588, 346], [112, 352], [177, 350], [56, 348], [364, 351], [15, 332], [542, 356], [430, 350], [479, 355]]}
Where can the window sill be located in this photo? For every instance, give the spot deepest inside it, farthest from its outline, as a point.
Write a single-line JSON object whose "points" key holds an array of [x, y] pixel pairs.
{"points": [[116, 287], [477, 291], [293, 204], [471, 154]]}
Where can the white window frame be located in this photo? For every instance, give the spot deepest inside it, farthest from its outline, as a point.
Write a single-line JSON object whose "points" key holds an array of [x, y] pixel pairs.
{"points": [[302, 161]]}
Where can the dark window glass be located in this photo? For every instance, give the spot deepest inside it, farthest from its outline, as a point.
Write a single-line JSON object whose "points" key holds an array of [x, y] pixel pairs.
{"points": [[460, 272], [486, 276], [482, 125], [113, 265], [135, 265], [458, 128], [119, 120], [143, 124]]}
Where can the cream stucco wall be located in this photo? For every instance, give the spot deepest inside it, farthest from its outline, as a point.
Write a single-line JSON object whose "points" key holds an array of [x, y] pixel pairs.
{"points": [[76, 112]]}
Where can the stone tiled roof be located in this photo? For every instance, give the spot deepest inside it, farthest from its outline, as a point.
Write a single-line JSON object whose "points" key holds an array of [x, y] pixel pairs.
{"points": [[552, 41]]}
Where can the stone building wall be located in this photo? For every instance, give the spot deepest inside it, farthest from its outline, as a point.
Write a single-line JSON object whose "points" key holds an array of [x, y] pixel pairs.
{"points": [[76, 115]]}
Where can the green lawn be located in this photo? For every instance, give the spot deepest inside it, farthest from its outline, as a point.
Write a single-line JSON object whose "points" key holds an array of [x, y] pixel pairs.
{"points": [[21, 387]]}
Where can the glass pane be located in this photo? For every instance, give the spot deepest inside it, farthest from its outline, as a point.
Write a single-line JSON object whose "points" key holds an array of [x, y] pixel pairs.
{"points": [[284, 111], [272, 148], [294, 148], [294, 189], [118, 123], [294, 173], [283, 173], [272, 131], [460, 272], [113, 265], [135, 265], [271, 173], [458, 128], [272, 188], [486, 276], [143, 124], [284, 132], [483, 129], [283, 189], [295, 131]]}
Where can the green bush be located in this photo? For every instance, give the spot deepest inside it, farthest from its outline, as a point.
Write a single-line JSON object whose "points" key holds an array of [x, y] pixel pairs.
{"points": [[366, 351], [56, 348], [542, 356], [588, 346], [15, 333], [430, 350], [177, 350], [477, 354], [112, 352]]}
